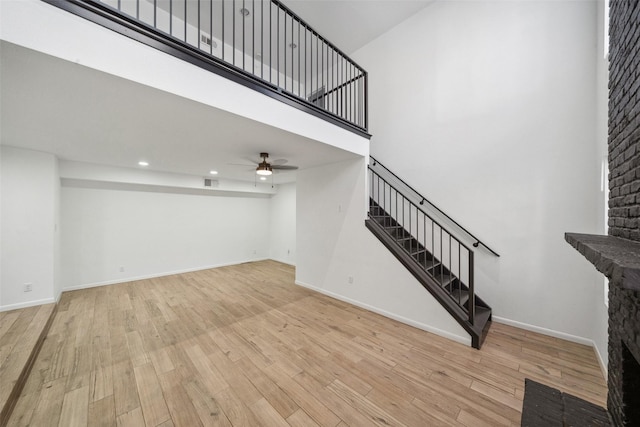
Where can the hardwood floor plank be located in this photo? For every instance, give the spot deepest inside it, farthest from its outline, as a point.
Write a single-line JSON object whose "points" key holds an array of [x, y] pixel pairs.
{"points": [[124, 388], [267, 415], [208, 409], [102, 413], [183, 413], [154, 408], [75, 408], [244, 346], [47, 411], [376, 415], [236, 411], [132, 418], [316, 410], [274, 395], [301, 419]]}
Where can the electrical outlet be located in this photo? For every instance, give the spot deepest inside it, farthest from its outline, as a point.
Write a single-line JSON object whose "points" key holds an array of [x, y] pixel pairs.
{"points": [[350, 280], [121, 269], [28, 287]]}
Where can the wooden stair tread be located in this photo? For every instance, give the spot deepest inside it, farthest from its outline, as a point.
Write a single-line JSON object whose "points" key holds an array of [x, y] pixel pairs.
{"points": [[430, 272]]}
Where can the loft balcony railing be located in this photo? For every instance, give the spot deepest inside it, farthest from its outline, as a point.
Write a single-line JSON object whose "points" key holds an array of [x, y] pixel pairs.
{"points": [[259, 43]]}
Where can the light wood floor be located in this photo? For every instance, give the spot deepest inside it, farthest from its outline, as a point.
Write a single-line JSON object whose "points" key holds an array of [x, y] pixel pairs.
{"points": [[19, 332], [244, 345]]}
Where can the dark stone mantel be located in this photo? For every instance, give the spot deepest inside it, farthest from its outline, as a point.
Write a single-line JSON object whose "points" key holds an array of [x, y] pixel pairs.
{"points": [[616, 258]]}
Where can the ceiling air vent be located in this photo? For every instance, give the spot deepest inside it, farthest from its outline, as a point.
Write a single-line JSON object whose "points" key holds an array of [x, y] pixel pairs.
{"points": [[210, 183], [204, 39]]}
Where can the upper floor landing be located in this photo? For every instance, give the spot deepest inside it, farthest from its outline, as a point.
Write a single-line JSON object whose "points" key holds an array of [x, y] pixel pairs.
{"points": [[278, 73]]}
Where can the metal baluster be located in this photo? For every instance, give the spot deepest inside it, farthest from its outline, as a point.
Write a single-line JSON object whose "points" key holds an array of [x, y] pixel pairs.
{"points": [[155, 13], [278, 47], [472, 294], [459, 274], [335, 84], [342, 89], [450, 264], [270, 43], [292, 55], [424, 239], [253, 36], [210, 28], [185, 21], [441, 258], [222, 20], [311, 61], [395, 214], [244, 18], [170, 16], [262, 39], [324, 95], [353, 95], [317, 67], [284, 50], [378, 190], [299, 49], [199, 25]]}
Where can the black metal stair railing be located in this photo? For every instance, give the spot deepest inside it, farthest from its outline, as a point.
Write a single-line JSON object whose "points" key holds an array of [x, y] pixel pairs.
{"points": [[262, 41], [442, 256], [424, 200]]}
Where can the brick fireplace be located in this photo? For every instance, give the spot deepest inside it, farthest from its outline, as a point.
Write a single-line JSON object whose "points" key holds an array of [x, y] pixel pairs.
{"points": [[619, 260], [617, 256]]}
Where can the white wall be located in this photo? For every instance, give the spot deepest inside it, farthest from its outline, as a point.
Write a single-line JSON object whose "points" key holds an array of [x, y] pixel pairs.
{"points": [[600, 310], [333, 245], [116, 234], [282, 224], [29, 229], [488, 109]]}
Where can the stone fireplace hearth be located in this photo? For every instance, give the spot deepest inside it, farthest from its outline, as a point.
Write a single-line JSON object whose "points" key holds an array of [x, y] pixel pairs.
{"points": [[619, 260]]}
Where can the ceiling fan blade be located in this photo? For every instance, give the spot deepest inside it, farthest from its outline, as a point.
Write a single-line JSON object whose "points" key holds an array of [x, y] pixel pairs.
{"points": [[241, 164], [284, 167], [279, 162]]}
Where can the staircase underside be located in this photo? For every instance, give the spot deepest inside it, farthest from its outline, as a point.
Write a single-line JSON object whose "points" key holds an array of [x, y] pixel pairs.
{"points": [[443, 285]]}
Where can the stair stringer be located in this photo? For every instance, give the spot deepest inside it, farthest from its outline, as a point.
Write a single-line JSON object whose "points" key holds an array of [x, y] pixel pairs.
{"points": [[478, 330]]}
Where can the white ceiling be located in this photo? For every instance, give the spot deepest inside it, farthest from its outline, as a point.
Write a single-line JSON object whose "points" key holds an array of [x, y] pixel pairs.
{"points": [[81, 114], [85, 115], [351, 24]]}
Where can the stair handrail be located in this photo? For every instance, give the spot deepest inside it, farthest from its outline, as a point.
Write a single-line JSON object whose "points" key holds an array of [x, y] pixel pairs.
{"points": [[477, 242]]}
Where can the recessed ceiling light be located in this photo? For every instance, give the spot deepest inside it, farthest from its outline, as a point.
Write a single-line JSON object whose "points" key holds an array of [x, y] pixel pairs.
{"points": [[213, 172], [143, 163], [293, 45], [244, 11], [263, 178]]}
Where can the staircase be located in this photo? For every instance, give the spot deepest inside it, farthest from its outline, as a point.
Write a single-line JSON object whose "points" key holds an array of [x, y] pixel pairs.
{"points": [[438, 260]]}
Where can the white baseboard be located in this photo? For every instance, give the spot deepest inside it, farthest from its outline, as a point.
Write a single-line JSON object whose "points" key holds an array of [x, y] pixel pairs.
{"points": [[154, 275], [283, 261], [556, 334], [544, 331], [423, 326], [603, 367], [27, 304]]}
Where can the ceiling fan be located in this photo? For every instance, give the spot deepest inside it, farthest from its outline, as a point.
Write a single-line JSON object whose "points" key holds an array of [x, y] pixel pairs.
{"points": [[266, 168]]}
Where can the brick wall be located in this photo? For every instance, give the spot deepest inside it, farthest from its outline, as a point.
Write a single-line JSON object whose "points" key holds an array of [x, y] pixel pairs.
{"points": [[624, 119], [624, 201]]}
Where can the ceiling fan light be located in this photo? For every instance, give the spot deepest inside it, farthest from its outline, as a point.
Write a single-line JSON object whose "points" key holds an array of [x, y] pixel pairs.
{"points": [[264, 169]]}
